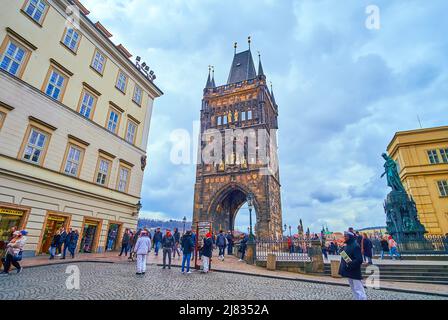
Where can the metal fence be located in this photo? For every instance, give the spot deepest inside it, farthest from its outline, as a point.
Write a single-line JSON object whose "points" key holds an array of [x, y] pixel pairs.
{"points": [[431, 245], [298, 251]]}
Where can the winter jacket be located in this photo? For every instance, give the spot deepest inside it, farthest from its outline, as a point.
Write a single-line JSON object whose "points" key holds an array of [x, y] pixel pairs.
{"points": [[73, 240], [157, 236], [243, 243], [229, 238], [63, 237], [187, 244], [143, 245], [367, 247], [177, 236], [167, 242], [55, 241], [207, 248], [126, 239], [352, 269], [384, 245], [221, 240], [14, 247]]}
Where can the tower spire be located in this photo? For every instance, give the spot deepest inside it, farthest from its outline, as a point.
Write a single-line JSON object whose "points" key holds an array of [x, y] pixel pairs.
{"points": [[249, 41], [235, 45], [209, 81], [260, 67]]}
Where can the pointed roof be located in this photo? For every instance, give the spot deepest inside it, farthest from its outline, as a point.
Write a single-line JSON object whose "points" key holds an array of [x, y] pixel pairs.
{"points": [[260, 67], [213, 77], [242, 67], [209, 83]]}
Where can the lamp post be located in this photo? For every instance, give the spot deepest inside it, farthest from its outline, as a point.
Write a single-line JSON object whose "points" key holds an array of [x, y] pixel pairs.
{"points": [[184, 220], [250, 199], [290, 231]]}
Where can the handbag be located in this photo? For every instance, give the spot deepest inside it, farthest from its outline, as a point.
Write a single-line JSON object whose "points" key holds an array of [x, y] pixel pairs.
{"points": [[18, 256]]}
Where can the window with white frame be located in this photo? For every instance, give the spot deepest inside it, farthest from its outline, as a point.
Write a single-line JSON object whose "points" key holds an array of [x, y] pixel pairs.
{"points": [[433, 156], [36, 9], [121, 81], [55, 85], [138, 93], [112, 123], [35, 146], [71, 39], [444, 154], [87, 104], [13, 58], [98, 61], [443, 188], [103, 171], [73, 160], [130, 131], [249, 115], [123, 178], [243, 116]]}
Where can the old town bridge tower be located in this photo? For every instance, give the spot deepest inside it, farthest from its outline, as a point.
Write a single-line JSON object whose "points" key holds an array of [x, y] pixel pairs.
{"points": [[243, 105]]}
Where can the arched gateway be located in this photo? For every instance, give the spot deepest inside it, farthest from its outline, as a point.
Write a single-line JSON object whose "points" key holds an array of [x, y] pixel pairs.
{"points": [[244, 104]]}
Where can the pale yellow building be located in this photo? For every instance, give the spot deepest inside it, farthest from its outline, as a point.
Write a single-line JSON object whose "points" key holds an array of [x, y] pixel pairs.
{"points": [[422, 157], [75, 113]]}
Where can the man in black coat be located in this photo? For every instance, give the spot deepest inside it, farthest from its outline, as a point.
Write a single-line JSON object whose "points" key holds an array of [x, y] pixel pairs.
{"points": [[351, 261], [157, 241], [229, 238], [207, 250]]}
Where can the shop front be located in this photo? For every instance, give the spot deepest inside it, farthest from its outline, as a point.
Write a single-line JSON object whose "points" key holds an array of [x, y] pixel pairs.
{"points": [[90, 235], [113, 236], [53, 223], [10, 216]]}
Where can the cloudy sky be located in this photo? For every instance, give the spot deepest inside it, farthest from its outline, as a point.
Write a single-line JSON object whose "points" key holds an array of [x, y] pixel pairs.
{"points": [[343, 90]]}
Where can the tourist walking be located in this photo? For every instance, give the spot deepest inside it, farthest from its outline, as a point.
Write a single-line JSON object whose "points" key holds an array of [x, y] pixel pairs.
{"points": [[168, 243], [157, 241], [393, 248], [74, 236], [243, 246], [14, 250], [229, 239], [125, 243], [193, 237], [366, 249], [176, 248], [61, 241], [351, 261], [132, 240], [384, 246], [221, 244], [66, 242], [187, 248], [207, 250], [142, 248], [54, 244]]}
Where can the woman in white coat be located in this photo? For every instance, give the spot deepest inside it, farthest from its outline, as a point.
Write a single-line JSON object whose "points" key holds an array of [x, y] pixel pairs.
{"points": [[142, 248]]}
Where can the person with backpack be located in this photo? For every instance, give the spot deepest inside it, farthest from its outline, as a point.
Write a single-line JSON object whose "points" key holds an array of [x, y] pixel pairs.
{"points": [[14, 250], [207, 251], [168, 243], [142, 248], [187, 245], [221, 243], [393, 248], [350, 267]]}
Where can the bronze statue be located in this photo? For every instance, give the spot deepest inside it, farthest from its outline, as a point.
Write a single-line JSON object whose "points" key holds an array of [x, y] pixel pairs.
{"points": [[391, 172]]}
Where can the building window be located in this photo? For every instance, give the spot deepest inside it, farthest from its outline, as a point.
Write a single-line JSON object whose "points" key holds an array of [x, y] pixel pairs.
{"points": [[224, 118], [35, 146], [249, 115], [123, 179], [138, 93], [444, 154], [443, 188], [55, 84], [13, 58], [73, 162], [219, 120], [121, 82], [88, 101], [113, 120], [131, 131], [243, 116], [433, 156], [102, 175], [71, 39], [36, 10], [98, 62]]}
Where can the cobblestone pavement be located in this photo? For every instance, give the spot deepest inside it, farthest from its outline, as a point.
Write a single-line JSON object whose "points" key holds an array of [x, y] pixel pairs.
{"points": [[118, 281]]}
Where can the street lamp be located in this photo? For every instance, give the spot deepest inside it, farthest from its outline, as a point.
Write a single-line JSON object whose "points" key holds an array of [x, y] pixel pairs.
{"points": [[290, 231], [184, 221], [250, 199]]}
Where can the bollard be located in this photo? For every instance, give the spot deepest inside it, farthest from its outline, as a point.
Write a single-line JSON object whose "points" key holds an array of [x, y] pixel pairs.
{"points": [[335, 268], [271, 262]]}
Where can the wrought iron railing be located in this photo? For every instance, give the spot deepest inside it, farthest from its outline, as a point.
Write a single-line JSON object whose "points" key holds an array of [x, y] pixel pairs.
{"points": [[432, 244], [298, 250]]}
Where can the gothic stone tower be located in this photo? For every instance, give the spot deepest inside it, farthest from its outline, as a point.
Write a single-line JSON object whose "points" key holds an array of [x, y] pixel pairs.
{"points": [[221, 187]]}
